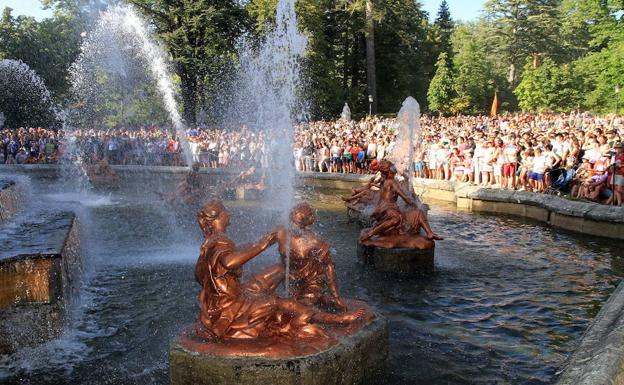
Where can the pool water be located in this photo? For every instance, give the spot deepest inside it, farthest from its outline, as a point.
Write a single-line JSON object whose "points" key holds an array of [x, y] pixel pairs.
{"points": [[508, 302]]}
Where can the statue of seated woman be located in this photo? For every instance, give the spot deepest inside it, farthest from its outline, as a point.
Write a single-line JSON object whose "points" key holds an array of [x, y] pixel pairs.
{"points": [[231, 308], [394, 228], [312, 271]]}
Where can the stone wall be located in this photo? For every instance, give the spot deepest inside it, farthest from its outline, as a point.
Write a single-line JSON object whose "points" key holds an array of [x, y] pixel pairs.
{"points": [[8, 199], [599, 359], [579, 216], [37, 285]]}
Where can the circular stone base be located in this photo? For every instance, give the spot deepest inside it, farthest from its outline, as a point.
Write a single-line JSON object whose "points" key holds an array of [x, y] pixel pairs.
{"points": [[355, 359], [397, 260]]}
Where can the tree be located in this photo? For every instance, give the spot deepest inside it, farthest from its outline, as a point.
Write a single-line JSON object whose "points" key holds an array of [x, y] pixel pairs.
{"points": [[371, 67], [444, 26], [201, 37], [441, 93], [403, 49], [602, 69], [49, 46], [523, 28], [475, 74], [548, 87]]}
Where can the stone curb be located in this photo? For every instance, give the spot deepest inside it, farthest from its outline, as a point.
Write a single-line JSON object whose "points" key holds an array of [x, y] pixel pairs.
{"points": [[599, 359]]}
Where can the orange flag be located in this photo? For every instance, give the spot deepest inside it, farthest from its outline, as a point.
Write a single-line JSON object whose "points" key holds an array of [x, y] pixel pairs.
{"points": [[494, 111]]}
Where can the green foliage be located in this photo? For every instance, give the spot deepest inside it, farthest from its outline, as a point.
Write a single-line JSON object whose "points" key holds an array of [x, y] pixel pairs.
{"points": [[523, 28], [476, 76], [49, 47], [443, 28], [441, 92], [201, 36], [548, 87], [578, 44]]}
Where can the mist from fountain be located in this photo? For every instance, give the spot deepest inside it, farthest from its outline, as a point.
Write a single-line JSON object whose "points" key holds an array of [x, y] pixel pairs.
{"points": [[267, 97], [17, 79], [409, 136], [118, 29]]}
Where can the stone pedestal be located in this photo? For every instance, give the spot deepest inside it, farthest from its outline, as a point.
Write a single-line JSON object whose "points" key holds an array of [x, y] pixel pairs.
{"points": [[412, 261], [355, 359], [247, 194], [39, 274]]}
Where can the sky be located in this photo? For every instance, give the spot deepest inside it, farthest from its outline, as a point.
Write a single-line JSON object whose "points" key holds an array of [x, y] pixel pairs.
{"points": [[460, 9]]}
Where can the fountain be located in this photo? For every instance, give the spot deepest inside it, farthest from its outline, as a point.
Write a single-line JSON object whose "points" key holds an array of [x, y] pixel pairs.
{"points": [[266, 96], [247, 334], [496, 300], [23, 93], [392, 240], [117, 27], [346, 113]]}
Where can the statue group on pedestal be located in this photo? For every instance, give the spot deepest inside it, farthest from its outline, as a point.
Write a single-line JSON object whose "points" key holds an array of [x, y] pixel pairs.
{"points": [[312, 312], [233, 308], [393, 227]]}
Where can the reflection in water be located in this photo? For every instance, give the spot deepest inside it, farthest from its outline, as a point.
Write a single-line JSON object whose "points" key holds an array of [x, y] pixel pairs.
{"points": [[508, 301]]}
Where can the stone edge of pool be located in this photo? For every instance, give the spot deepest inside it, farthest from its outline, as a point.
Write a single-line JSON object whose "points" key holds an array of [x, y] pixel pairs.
{"points": [[37, 287], [577, 216]]}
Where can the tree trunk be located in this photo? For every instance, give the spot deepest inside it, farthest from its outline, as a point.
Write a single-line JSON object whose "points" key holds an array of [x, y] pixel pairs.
{"points": [[371, 75], [511, 77], [188, 83]]}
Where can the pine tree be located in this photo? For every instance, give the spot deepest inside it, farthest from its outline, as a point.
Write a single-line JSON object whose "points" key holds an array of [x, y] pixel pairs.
{"points": [[523, 28], [441, 93], [444, 25]]}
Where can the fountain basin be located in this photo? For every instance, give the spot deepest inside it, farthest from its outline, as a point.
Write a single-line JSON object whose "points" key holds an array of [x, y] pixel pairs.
{"points": [[398, 260], [38, 277], [355, 359], [8, 199]]}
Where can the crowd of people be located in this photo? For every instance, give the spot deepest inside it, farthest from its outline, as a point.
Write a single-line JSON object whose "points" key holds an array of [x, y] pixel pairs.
{"points": [[577, 154]]}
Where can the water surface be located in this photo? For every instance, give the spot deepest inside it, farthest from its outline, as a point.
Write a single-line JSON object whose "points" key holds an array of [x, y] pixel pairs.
{"points": [[509, 299]]}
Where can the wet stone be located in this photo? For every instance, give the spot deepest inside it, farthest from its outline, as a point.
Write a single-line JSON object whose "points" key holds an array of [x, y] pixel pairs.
{"points": [[40, 264], [8, 199], [359, 358], [398, 260]]}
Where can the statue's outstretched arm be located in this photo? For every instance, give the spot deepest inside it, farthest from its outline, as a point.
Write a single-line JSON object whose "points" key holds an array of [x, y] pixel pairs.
{"points": [[238, 258]]}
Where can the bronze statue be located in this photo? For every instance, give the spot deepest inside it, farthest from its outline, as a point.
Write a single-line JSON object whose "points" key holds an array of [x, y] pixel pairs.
{"points": [[234, 310], [362, 197], [248, 180], [189, 191], [312, 271], [394, 228], [101, 175]]}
